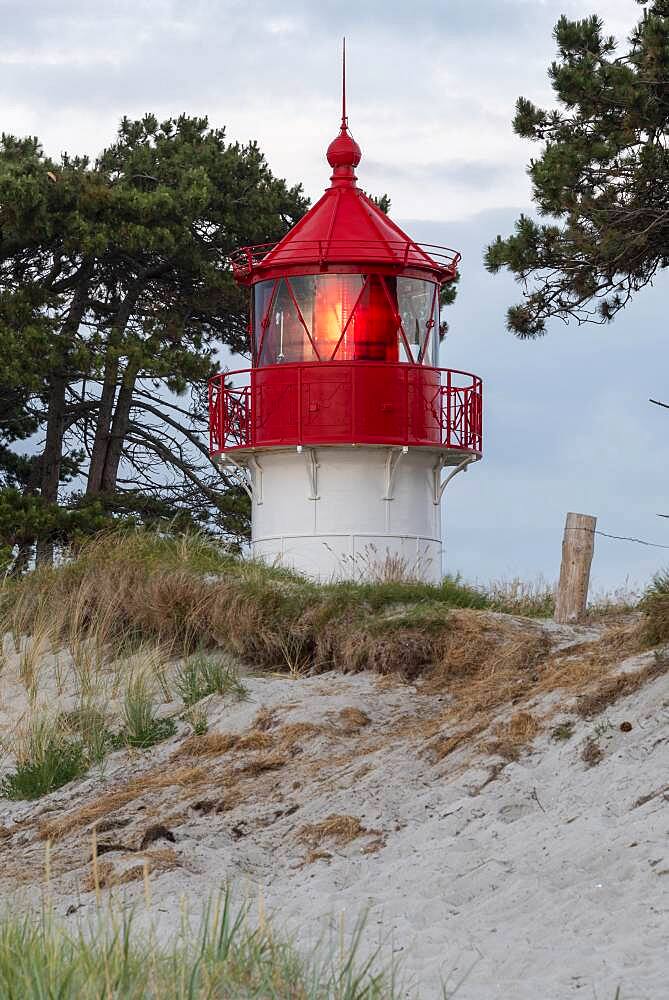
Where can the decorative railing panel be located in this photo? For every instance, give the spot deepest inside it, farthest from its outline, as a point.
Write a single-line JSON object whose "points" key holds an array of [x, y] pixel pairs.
{"points": [[346, 403]]}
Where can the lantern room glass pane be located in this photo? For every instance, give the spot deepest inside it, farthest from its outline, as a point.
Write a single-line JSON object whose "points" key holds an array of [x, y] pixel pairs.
{"points": [[326, 302], [263, 293], [285, 339], [416, 301], [373, 332]]}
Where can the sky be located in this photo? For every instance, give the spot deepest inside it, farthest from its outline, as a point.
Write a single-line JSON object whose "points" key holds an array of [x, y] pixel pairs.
{"points": [[431, 91]]}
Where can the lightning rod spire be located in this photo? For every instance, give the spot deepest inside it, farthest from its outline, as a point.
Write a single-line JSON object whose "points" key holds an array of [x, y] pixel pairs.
{"points": [[344, 117]]}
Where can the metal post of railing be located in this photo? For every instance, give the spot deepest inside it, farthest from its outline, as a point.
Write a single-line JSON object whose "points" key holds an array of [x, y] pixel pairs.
{"points": [[212, 419], [407, 409], [447, 442]]}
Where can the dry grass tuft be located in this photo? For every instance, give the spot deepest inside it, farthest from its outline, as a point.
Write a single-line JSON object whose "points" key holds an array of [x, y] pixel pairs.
{"points": [[650, 796], [477, 643], [217, 744], [513, 736], [444, 745], [374, 846], [317, 855], [340, 830], [486, 662], [105, 876], [592, 753], [295, 732], [384, 646], [162, 858], [265, 719], [611, 689], [254, 740], [351, 720], [266, 762], [100, 878], [207, 745]]}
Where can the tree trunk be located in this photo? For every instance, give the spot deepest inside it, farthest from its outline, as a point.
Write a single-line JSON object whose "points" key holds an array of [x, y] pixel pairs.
{"points": [[101, 440], [119, 429], [53, 446], [52, 456], [104, 417], [55, 423]]}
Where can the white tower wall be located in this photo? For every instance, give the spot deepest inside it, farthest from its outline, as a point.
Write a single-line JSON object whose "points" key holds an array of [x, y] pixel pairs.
{"points": [[340, 512]]}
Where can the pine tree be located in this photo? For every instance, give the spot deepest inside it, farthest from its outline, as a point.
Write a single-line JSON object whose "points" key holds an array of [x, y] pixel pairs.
{"points": [[603, 175], [115, 296]]}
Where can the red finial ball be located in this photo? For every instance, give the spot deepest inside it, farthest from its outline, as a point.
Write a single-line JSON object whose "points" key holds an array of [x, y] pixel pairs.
{"points": [[344, 150]]}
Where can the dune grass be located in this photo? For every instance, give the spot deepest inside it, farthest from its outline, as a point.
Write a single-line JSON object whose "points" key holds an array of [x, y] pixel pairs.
{"points": [[534, 599], [141, 727], [225, 958], [47, 757], [655, 605], [203, 674]]}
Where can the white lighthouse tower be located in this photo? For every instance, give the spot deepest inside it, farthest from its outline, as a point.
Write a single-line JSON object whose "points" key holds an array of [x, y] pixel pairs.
{"points": [[345, 426]]}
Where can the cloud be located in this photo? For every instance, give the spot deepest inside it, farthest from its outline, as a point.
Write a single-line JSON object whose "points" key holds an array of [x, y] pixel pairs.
{"points": [[468, 173], [430, 82]]}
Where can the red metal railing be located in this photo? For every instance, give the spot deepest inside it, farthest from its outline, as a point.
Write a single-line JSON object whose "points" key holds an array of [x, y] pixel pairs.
{"points": [[358, 402], [402, 252]]}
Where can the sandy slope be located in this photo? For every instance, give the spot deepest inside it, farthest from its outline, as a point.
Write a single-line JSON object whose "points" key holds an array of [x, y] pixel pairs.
{"points": [[539, 879]]}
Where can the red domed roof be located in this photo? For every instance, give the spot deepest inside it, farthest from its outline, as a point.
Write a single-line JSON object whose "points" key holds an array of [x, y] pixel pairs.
{"points": [[344, 230]]}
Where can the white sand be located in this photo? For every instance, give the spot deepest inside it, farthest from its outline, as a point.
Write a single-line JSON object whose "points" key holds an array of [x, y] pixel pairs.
{"points": [[544, 884]]}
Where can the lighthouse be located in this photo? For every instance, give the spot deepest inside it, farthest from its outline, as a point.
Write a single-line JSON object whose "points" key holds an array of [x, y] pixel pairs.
{"points": [[345, 430]]}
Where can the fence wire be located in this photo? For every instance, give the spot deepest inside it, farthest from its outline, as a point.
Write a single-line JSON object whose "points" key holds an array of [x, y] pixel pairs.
{"points": [[622, 538]]}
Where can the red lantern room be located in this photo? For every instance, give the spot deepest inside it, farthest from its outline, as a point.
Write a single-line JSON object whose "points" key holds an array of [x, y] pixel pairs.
{"points": [[345, 377]]}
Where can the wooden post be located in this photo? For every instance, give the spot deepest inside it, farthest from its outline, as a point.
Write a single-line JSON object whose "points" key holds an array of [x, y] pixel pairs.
{"points": [[577, 547]]}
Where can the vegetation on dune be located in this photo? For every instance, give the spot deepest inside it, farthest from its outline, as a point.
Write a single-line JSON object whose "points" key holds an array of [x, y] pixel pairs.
{"points": [[201, 675], [47, 757], [188, 594], [226, 957], [146, 618], [141, 727], [655, 605]]}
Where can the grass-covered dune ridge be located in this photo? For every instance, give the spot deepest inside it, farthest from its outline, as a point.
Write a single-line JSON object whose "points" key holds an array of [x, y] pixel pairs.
{"points": [[123, 591], [186, 593]]}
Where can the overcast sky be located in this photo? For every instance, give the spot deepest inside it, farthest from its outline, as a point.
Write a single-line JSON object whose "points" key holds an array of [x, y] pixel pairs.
{"points": [[432, 86]]}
